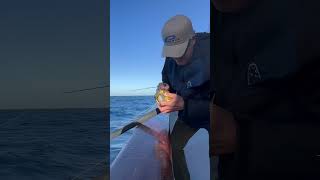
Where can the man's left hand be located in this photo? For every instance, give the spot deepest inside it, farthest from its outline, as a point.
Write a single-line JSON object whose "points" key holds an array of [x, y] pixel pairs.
{"points": [[176, 103]]}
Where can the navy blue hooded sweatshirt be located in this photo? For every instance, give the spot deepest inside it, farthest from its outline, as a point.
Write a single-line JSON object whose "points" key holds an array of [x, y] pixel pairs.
{"points": [[192, 83]]}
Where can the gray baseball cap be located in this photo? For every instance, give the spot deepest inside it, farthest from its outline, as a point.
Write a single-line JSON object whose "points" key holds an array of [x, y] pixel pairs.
{"points": [[176, 34]]}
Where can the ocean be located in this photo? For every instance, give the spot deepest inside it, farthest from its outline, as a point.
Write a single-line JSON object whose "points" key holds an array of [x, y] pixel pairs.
{"points": [[124, 109], [64, 143], [53, 144]]}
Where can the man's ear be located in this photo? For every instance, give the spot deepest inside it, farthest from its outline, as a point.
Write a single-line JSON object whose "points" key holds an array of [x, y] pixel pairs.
{"points": [[231, 6]]}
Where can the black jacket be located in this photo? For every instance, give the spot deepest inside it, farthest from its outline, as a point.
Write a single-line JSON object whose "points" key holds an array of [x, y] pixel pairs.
{"points": [[266, 68], [192, 82]]}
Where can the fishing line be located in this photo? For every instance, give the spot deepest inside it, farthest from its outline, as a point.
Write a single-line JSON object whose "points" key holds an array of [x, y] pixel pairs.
{"points": [[87, 89], [143, 88]]}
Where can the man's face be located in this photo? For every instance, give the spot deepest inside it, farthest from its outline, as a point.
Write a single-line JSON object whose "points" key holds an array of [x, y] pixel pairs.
{"points": [[184, 59], [181, 59]]}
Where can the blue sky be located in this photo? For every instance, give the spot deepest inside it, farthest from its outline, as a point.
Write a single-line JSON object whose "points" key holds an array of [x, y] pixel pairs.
{"points": [[136, 44]]}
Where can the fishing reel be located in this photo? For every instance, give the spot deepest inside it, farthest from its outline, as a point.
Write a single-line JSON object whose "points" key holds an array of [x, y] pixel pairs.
{"points": [[161, 96]]}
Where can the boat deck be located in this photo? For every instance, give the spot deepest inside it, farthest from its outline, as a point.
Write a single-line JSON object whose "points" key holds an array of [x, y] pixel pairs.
{"points": [[146, 156]]}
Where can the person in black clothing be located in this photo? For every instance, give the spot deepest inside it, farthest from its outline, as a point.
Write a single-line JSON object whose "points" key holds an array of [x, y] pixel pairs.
{"points": [[266, 66], [186, 74]]}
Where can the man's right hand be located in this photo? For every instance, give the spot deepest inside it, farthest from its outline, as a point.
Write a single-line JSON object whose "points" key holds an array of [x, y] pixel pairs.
{"points": [[176, 103]]}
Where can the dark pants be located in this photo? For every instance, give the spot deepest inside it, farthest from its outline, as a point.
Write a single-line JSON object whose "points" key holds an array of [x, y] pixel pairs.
{"points": [[180, 136], [214, 160]]}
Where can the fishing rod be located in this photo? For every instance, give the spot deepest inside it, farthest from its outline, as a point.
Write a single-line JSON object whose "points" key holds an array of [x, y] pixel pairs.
{"points": [[160, 96], [133, 124]]}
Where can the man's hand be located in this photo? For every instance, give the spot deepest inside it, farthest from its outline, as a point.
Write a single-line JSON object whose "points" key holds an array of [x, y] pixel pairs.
{"points": [[163, 86], [175, 104]]}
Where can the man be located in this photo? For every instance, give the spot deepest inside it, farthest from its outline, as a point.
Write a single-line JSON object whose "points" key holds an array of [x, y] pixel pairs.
{"points": [[186, 74], [266, 61]]}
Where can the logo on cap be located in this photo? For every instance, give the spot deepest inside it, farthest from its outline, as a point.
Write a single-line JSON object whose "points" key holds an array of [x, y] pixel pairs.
{"points": [[170, 39]]}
